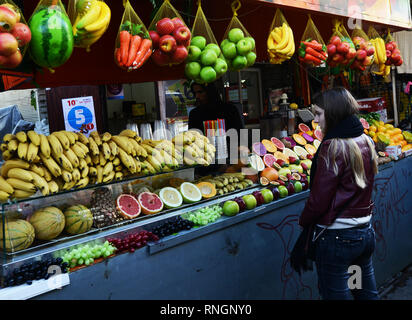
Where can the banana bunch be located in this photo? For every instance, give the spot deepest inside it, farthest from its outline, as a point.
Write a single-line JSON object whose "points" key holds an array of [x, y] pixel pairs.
{"points": [[380, 57], [281, 44], [228, 182], [91, 22]]}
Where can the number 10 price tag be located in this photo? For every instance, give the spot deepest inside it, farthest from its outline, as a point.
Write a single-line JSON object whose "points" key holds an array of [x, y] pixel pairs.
{"points": [[79, 114]]}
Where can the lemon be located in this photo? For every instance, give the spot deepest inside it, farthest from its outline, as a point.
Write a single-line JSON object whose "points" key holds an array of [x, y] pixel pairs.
{"points": [[293, 106]]}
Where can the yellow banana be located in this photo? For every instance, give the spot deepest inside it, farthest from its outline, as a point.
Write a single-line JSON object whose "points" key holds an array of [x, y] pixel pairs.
{"points": [[53, 187], [103, 19], [7, 155], [37, 169], [82, 138], [116, 161], [276, 34], [92, 171], [44, 145], [155, 163], [8, 137], [32, 152], [106, 137], [67, 176], [5, 186], [21, 174], [123, 143], [118, 176], [106, 150], [124, 158], [102, 159], [151, 169], [289, 50], [22, 194], [55, 144], [63, 162], [285, 37], [90, 16], [82, 164], [88, 159], [21, 185], [65, 142], [69, 185], [85, 172], [13, 145], [4, 147], [83, 182], [47, 175], [72, 157], [78, 151], [99, 174], [107, 168], [70, 136], [4, 196], [22, 150], [53, 167], [128, 133], [113, 148], [34, 137], [270, 43], [109, 177], [40, 183], [21, 136], [96, 137], [93, 147], [76, 174]]}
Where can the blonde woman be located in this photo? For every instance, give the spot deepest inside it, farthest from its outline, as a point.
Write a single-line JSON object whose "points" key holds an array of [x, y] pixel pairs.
{"points": [[339, 205]]}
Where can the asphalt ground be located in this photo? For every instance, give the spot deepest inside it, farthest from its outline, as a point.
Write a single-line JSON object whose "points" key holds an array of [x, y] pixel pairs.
{"points": [[399, 287]]}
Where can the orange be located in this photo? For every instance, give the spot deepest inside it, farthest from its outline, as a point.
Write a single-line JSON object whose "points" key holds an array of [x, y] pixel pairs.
{"points": [[371, 133], [366, 131], [375, 138], [403, 143], [381, 129], [373, 128]]}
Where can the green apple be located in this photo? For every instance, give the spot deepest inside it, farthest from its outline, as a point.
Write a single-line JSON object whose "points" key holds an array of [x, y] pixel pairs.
{"points": [[250, 201], [267, 195], [235, 35], [243, 47], [208, 74], [252, 42], [208, 57], [214, 47], [199, 42], [200, 80], [224, 42], [239, 62], [229, 50], [230, 208], [298, 186], [220, 66], [193, 53], [251, 58], [192, 70], [283, 191]]}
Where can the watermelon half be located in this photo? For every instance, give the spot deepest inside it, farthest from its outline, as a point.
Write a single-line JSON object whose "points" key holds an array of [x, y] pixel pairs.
{"points": [[51, 44]]}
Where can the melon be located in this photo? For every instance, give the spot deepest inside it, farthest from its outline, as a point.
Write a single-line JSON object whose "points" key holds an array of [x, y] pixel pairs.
{"points": [[18, 235], [128, 206], [150, 203], [279, 144], [259, 149], [47, 222], [52, 37], [269, 160], [78, 219], [269, 145], [207, 189], [303, 127]]}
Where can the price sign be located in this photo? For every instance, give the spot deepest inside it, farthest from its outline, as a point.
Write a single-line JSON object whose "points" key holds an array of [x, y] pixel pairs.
{"points": [[79, 114]]}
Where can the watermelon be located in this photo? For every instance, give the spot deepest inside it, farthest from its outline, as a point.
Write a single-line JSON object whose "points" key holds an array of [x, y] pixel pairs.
{"points": [[78, 219], [48, 223], [19, 235], [52, 37]]}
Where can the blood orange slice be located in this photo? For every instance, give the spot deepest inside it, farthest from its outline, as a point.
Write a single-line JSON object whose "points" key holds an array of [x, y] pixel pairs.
{"points": [[269, 145], [279, 144], [299, 139], [150, 203], [269, 160], [318, 134], [259, 149], [364, 123], [128, 206], [303, 127]]}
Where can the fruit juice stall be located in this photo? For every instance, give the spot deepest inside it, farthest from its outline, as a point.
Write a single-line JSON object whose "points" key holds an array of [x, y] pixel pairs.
{"points": [[77, 209]]}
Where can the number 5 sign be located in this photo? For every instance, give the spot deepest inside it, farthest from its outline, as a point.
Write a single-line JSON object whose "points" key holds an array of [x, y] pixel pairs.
{"points": [[79, 114]]}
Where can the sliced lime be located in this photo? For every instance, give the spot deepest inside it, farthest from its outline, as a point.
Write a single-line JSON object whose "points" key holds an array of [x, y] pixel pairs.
{"points": [[190, 192], [171, 197]]}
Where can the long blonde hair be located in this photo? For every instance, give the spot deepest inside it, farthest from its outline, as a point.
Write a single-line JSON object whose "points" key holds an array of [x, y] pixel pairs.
{"points": [[352, 156]]}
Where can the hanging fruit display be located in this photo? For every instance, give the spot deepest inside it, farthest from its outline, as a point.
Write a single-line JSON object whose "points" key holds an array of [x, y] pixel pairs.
{"points": [[280, 42]]}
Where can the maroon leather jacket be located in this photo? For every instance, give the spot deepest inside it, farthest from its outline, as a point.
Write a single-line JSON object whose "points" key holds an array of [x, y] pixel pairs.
{"points": [[330, 193]]}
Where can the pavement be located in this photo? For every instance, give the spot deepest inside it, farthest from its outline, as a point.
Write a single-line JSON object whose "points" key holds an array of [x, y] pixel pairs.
{"points": [[399, 287]]}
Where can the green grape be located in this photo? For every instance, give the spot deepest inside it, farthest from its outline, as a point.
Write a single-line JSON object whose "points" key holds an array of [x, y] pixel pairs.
{"points": [[106, 253], [87, 261], [84, 255], [77, 255], [80, 261]]}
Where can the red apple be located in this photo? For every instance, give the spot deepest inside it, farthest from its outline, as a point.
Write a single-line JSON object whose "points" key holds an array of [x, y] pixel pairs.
{"points": [[343, 47], [167, 43], [155, 39], [367, 61], [12, 61], [22, 33], [395, 57], [351, 53], [393, 43], [179, 55], [8, 44], [331, 49], [370, 51], [389, 47], [160, 58], [398, 63], [178, 23], [165, 26], [186, 43], [8, 18], [388, 53], [335, 40], [361, 54], [337, 58], [181, 34], [356, 64]]}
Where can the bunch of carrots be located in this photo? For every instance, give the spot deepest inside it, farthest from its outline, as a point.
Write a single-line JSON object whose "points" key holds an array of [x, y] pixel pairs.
{"points": [[312, 52], [135, 47]]}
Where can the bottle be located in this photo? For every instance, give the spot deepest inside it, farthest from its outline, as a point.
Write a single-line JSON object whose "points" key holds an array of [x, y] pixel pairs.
{"points": [[291, 122]]}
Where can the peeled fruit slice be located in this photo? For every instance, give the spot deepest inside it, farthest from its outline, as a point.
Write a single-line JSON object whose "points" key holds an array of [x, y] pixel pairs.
{"points": [[190, 192], [207, 189], [128, 206], [317, 134], [303, 127], [290, 153], [282, 156], [170, 197], [279, 144], [299, 139], [316, 143], [259, 149], [310, 148], [269, 145], [301, 152], [308, 138], [256, 162], [269, 160], [150, 203]]}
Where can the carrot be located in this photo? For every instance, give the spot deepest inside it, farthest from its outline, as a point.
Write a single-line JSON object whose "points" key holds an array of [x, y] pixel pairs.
{"points": [[309, 58], [125, 37], [317, 46], [143, 60], [315, 53], [118, 57], [135, 42], [146, 44]]}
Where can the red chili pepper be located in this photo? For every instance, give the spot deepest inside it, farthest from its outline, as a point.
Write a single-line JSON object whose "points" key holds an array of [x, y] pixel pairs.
{"points": [[317, 46]]}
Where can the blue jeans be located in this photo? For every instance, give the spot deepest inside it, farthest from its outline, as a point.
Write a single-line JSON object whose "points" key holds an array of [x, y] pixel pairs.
{"points": [[336, 251]]}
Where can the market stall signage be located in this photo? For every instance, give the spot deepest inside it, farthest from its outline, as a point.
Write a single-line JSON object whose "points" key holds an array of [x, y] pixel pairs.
{"points": [[391, 12], [79, 114]]}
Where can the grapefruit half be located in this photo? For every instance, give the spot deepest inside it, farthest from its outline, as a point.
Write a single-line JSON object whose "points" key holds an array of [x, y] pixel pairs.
{"points": [[303, 127], [171, 197], [128, 206], [269, 159], [150, 203], [190, 192], [364, 123]]}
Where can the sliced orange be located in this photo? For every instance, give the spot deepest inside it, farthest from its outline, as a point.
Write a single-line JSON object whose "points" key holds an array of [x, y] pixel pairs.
{"points": [[269, 145]]}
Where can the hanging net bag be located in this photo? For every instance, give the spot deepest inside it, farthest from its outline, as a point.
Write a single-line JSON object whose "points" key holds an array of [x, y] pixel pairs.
{"points": [[365, 51], [280, 42], [379, 63]]}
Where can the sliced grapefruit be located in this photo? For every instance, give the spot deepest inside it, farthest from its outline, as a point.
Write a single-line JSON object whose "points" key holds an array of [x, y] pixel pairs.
{"points": [[171, 197], [303, 127], [150, 203], [259, 149], [364, 123], [282, 156], [314, 124], [317, 134], [290, 153], [299, 139], [190, 192], [307, 137], [128, 206], [316, 143], [310, 148], [269, 145], [279, 144], [269, 159], [256, 162], [301, 152]]}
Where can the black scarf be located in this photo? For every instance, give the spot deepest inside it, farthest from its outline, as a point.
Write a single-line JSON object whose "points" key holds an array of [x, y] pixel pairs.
{"points": [[350, 127]]}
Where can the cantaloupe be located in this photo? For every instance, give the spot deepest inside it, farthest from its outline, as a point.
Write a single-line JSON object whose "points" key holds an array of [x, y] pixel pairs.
{"points": [[18, 235], [78, 219], [48, 223]]}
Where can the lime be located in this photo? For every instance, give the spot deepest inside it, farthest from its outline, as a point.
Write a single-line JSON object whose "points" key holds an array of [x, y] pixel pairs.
{"points": [[190, 192], [171, 197]]}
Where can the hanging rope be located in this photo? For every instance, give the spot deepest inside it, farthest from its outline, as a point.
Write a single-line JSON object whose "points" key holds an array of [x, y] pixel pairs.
{"points": [[235, 7]]}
